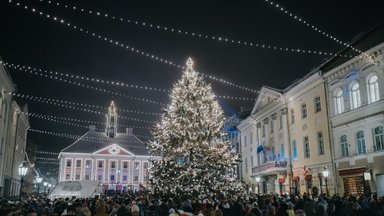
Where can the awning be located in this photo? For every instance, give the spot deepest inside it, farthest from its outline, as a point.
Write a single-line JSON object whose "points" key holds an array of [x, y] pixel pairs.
{"points": [[353, 171]]}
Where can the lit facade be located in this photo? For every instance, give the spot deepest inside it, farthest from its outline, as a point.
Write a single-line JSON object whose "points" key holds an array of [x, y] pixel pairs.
{"points": [[356, 99], [116, 160], [309, 138]]}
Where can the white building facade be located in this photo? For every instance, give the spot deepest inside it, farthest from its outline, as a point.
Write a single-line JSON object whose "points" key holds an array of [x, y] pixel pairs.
{"points": [[356, 98], [118, 161]]}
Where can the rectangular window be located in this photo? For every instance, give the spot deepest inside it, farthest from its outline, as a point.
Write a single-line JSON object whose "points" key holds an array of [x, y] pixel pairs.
{"points": [[113, 164], [306, 147], [245, 141], [282, 152], [77, 177], [294, 147], [246, 166], [271, 126], [251, 138], [303, 110], [125, 178], [99, 177], [69, 163], [78, 163], [125, 164], [112, 177], [292, 116], [87, 177], [263, 130], [320, 141], [67, 176], [100, 164], [280, 121], [88, 164], [252, 161], [136, 171], [317, 104]]}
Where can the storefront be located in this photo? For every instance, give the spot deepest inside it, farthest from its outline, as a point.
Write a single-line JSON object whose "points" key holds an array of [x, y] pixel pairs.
{"points": [[353, 181]]}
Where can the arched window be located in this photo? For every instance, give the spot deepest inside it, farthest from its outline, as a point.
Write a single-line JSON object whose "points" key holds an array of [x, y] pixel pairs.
{"points": [[355, 95], [339, 104], [344, 146], [360, 142], [373, 89], [378, 135]]}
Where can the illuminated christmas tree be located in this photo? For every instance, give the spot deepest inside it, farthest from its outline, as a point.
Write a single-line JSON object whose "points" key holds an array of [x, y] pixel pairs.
{"points": [[190, 158]]}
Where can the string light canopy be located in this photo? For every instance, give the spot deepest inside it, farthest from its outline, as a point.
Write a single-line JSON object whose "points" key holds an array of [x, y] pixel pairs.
{"points": [[75, 105], [313, 27], [77, 137], [58, 119], [98, 80], [181, 32], [116, 43], [79, 84]]}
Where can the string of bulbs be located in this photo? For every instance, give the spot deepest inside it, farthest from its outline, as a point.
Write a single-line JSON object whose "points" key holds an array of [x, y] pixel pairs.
{"points": [[164, 28], [122, 45]]}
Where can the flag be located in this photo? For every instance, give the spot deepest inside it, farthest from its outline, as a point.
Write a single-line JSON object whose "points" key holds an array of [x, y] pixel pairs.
{"points": [[260, 148]]}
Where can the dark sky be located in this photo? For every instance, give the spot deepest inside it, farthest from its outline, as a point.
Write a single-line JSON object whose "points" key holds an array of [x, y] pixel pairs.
{"points": [[29, 39]]}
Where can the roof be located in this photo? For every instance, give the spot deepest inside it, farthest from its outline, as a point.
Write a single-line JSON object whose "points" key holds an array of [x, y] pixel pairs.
{"points": [[93, 141], [363, 42]]}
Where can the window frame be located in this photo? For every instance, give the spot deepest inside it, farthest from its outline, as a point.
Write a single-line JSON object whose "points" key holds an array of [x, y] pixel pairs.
{"points": [[355, 95], [317, 104], [360, 143], [344, 146], [378, 137], [320, 142], [373, 89], [307, 150]]}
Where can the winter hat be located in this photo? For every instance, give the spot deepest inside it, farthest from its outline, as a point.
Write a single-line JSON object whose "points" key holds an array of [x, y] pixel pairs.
{"points": [[135, 208], [171, 211]]}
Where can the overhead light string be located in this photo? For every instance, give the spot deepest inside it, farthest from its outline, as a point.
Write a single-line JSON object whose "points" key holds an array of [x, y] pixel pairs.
{"points": [[122, 45], [313, 27], [220, 39], [74, 105], [105, 91], [52, 74]]}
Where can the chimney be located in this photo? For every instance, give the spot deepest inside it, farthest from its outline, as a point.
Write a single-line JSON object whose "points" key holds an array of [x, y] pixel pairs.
{"points": [[129, 131], [92, 127]]}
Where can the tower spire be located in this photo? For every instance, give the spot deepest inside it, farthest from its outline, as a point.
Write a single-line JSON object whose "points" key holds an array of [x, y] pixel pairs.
{"points": [[111, 128]]}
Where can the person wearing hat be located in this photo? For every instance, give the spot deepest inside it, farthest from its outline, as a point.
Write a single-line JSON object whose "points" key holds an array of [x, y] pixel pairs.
{"points": [[172, 212]]}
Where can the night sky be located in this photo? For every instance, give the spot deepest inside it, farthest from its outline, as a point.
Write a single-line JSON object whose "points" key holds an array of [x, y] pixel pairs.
{"points": [[27, 38]]}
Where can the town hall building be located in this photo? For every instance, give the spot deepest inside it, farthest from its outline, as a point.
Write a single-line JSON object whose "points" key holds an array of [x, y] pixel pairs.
{"points": [[117, 161]]}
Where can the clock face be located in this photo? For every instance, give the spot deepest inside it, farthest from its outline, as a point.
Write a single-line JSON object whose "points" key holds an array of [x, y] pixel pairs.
{"points": [[114, 150]]}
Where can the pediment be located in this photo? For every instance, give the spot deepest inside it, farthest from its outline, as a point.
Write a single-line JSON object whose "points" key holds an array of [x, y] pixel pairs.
{"points": [[113, 149], [266, 96]]}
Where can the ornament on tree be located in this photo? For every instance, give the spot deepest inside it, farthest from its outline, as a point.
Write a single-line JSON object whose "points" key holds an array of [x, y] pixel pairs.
{"points": [[190, 156]]}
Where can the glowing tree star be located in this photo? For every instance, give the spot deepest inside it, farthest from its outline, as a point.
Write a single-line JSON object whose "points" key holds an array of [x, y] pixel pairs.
{"points": [[190, 158]]}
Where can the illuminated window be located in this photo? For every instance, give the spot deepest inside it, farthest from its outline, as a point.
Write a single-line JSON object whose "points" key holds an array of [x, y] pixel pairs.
{"points": [[339, 103], [355, 95], [373, 89]]}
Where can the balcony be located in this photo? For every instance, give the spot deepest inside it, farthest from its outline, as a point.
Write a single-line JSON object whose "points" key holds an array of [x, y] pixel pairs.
{"points": [[270, 167]]}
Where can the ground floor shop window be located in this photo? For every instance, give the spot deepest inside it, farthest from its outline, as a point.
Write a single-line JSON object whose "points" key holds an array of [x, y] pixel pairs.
{"points": [[354, 185]]}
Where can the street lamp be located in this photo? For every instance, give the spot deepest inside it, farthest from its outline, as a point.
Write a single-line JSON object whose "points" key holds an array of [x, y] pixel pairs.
{"points": [[22, 172], [38, 181], [45, 185], [326, 174], [258, 186], [49, 187]]}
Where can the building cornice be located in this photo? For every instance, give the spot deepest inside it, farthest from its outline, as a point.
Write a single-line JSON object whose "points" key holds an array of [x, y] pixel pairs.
{"points": [[355, 63]]}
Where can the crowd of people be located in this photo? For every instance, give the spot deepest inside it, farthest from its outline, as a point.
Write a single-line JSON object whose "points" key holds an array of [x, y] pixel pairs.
{"points": [[139, 204]]}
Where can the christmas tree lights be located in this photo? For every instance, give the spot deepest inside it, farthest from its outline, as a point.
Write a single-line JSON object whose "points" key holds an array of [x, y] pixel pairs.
{"points": [[190, 158]]}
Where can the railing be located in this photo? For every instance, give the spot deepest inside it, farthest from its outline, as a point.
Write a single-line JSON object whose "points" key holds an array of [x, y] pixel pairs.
{"points": [[269, 166]]}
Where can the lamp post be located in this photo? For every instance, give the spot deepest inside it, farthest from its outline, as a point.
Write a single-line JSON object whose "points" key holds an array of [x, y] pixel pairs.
{"points": [[326, 174], [49, 187], [45, 185], [38, 181], [22, 172], [258, 186]]}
